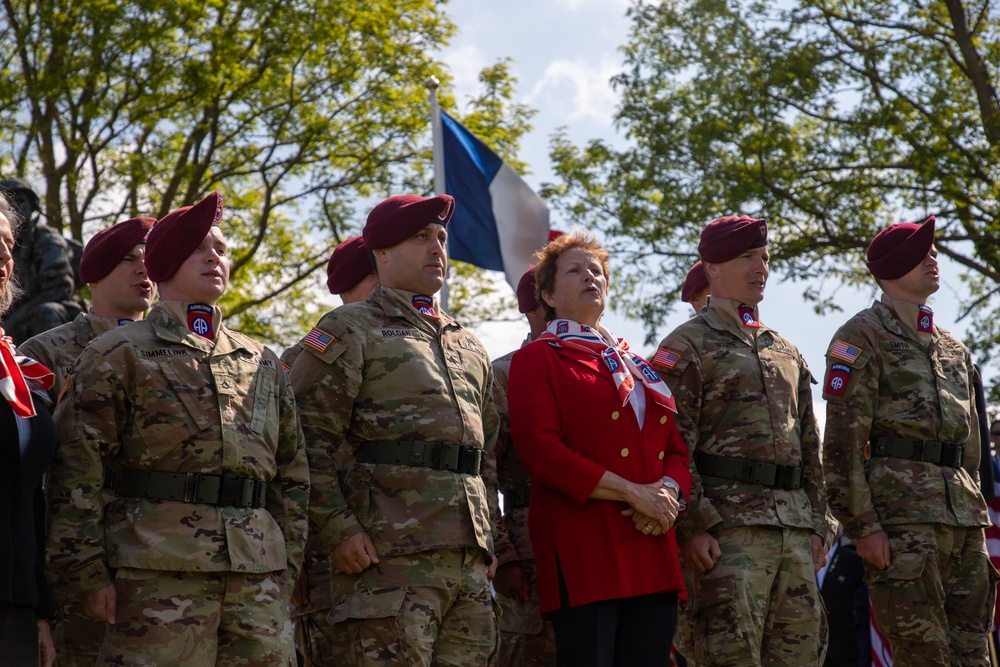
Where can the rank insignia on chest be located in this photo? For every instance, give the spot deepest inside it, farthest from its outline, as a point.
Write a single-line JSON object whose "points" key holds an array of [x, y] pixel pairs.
{"points": [[925, 320], [836, 379], [200, 320], [845, 352], [666, 358], [318, 340], [747, 316]]}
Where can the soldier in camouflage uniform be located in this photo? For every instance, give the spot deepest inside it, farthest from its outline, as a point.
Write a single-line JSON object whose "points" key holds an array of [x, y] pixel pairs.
{"points": [[193, 427], [349, 275], [754, 524], [526, 639], [42, 264], [902, 461], [395, 401], [696, 289], [113, 266]]}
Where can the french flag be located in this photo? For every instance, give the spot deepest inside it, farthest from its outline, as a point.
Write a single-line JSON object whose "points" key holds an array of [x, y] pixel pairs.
{"points": [[499, 221]]}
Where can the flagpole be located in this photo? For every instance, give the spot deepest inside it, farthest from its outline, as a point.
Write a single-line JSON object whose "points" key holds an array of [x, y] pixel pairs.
{"points": [[432, 84]]}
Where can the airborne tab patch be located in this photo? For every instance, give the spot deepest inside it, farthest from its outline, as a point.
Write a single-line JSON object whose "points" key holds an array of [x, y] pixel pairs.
{"points": [[666, 358], [836, 379], [318, 340], [845, 352]]}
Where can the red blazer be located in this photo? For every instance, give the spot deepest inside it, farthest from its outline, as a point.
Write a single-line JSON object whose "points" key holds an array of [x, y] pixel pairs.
{"points": [[569, 426]]}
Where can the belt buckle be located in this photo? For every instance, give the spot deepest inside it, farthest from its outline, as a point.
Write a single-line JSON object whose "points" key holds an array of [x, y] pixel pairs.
{"points": [[190, 487], [933, 451], [749, 470]]}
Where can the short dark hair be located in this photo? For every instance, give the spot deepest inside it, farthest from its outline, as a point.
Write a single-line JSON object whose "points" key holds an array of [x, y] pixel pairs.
{"points": [[545, 269]]}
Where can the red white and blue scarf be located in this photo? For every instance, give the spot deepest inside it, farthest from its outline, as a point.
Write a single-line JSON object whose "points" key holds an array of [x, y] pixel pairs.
{"points": [[625, 366], [15, 373]]}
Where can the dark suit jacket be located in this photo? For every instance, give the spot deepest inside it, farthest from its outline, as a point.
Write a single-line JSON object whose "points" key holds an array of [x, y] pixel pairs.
{"points": [[22, 510], [569, 426]]}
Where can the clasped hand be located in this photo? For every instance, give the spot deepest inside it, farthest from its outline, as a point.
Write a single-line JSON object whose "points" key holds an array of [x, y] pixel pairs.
{"points": [[653, 508]]}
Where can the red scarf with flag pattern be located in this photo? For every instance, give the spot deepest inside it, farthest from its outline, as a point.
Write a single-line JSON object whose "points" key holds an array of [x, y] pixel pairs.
{"points": [[15, 373]]}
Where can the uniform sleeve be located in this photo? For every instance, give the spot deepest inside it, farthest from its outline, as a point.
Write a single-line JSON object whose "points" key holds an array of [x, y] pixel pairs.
{"points": [[88, 420], [812, 463], [973, 444], [683, 374], [535, 424], [851, 392], [291, 484], [491, 430], [677, 463], [325, 386], [503, 548]]}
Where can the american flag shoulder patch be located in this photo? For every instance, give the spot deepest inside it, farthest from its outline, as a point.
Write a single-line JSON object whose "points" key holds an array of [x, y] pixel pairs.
{"points": [[845, 351], [666, 358], [318, 340]]}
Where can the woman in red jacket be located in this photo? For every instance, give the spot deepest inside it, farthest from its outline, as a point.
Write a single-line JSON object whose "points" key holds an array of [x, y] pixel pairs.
{"points": [[594, 425]]}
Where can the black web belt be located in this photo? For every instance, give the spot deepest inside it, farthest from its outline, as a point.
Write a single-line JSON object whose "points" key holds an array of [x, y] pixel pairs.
{"points": [[419, 453], [220, 490], [927, 451], [747, 470], [516, 498]]}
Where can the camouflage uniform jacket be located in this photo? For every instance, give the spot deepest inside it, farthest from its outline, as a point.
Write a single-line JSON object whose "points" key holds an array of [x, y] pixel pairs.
{"points": [[743, 392], [908, 384], [151, 395], [513, 541], [379, 370], [59, 348]]}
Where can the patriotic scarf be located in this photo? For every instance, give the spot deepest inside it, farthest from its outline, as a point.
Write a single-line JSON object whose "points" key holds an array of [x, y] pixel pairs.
{"points": [[15, 372], [625, 366]]}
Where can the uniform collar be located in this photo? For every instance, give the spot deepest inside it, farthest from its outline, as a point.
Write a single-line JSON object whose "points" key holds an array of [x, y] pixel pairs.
{"points": [[900, 317], [399, 303], [169, 321], [724, 315]]}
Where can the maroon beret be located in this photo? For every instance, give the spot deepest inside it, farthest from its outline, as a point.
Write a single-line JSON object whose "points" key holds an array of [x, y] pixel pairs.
{"points": [[729, 237], [526, 301], [695, 282], [348, 265], [110, 246], [898, 248], [400, 217], [178, 234]]}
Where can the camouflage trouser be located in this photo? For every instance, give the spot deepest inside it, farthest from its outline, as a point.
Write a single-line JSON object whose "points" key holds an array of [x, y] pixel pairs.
{"points": [[684, 636], [934, 603], [526, 639], [760, 605], [200, 618], [312, 627], [422, 609], [77, 637]]}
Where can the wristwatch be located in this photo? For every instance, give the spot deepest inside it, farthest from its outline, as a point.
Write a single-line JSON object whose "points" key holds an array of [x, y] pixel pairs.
{"points": [[671, 484]]}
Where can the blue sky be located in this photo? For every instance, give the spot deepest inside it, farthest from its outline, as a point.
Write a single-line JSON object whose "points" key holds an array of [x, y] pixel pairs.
{"points": [[564, 52]]}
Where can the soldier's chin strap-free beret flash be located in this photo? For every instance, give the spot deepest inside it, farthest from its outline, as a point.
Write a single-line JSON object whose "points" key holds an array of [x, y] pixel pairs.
{"points": [[898, 248], [178, 234], [400, 217], [729, 237], [349, 265], [110, 246], [694, 283], [526, 301]]}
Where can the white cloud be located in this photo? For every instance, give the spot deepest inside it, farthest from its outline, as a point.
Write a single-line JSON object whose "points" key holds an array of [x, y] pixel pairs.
{"points": [[581, 90], [574, 5], [465, 62]]}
